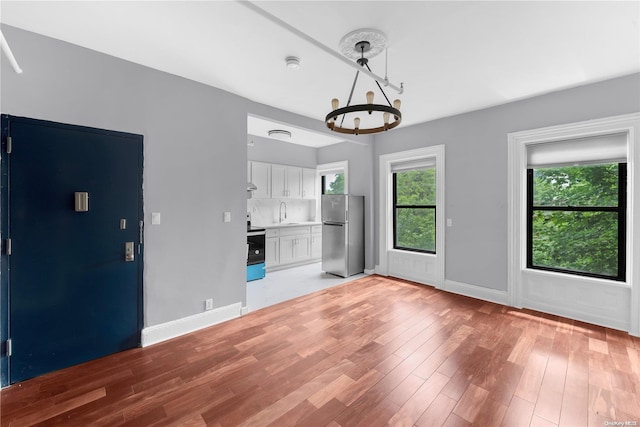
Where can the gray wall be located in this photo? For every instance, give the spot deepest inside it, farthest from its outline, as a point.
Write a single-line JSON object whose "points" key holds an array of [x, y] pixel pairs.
{"points": [[476, 167], [195, 160], [360, 157], [196, 151], [284, 153]]}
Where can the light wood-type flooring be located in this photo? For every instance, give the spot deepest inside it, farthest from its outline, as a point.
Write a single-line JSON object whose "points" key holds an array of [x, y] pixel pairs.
{"points": [[375, 351]]}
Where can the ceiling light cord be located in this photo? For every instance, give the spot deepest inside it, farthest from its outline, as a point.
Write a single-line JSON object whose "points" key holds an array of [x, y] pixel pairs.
{"points": [[350, 95], [380, 87]]}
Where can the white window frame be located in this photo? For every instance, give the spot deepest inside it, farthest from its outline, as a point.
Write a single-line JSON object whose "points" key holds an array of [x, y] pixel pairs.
{"points": [[330, 168], [434, 277], [600, 301], [326, 169]]}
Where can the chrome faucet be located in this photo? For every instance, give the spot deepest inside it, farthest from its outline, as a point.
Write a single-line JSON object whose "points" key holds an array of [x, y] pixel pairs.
{"points": [[280, 213]]}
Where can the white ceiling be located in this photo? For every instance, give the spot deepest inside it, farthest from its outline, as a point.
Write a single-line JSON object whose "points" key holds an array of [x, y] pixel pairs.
{"points": [[260, 127], [452, 56]]}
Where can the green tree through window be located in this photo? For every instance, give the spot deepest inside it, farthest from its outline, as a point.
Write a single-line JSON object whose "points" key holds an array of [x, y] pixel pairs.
{"points": [[414, 203], [577, 219], [333, 183]]}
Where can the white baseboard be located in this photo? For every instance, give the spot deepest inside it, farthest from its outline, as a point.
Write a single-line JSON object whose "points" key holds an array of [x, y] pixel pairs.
{"points": [[369, 272], [473, 291], [175, 328], [477, 292], [593, 318]]}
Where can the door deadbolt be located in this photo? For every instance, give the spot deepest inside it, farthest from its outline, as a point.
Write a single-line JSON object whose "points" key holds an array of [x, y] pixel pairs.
{"points": [[128, 252]]}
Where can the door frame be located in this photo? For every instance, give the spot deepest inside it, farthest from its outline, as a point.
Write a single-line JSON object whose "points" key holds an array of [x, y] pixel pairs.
{"points": [[4, 228]]}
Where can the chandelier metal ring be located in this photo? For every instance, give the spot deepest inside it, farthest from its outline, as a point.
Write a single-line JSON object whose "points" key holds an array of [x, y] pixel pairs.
{"points": [[332, 116], [361, 45]]}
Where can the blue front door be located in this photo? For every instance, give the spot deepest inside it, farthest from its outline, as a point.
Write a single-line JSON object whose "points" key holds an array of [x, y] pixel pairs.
{"points": [[73, 295]]}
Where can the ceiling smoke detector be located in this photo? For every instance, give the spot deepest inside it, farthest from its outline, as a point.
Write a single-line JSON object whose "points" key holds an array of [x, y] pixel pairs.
{"points": [[280, 134], [293, 62]]}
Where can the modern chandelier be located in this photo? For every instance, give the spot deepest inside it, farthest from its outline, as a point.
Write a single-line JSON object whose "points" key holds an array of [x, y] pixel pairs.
{"points": [[362, 45]]}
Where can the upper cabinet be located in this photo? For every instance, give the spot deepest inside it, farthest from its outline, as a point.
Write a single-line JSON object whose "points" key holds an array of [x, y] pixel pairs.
{"points": [[260, 175], [308, 183], [282, 181], [286, 182]]}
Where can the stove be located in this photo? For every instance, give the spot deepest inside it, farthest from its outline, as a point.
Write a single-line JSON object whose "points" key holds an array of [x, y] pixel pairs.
{"points": [[251, 229], [256, 242]]}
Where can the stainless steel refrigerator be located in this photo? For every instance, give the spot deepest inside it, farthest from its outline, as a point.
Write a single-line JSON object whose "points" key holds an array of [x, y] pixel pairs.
{"points": [[342, 234]]}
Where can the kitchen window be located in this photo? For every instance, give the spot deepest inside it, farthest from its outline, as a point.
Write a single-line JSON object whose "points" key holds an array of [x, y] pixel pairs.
{"points": [[333, 183], [576, 220], [414, 208]]}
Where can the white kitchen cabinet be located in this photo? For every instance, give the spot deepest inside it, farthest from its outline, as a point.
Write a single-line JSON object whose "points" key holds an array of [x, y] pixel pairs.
{"points": [[272, 248], [260, 175], [294, 182], [287, 249], [316, 241], [302, 248], [316, 245], [308, 183], [293, 245], [286, 182]]}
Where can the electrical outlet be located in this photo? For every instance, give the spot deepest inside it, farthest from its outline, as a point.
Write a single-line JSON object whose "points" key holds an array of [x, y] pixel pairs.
{"points": [[208, 304]]}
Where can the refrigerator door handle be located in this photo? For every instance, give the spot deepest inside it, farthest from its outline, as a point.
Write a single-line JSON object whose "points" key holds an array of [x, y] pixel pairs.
{"points": [[335, 224]]}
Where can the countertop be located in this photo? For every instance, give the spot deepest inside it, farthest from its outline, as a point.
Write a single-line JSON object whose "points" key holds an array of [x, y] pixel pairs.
{"points": [[288, 224]]}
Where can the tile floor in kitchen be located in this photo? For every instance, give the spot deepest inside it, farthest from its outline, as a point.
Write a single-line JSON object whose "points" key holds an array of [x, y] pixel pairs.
{"points": [[283, 285]]}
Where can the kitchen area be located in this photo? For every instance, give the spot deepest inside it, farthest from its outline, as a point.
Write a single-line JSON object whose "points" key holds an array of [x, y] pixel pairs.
{"points": [[294, 245], [293, 248], [282, 203]]}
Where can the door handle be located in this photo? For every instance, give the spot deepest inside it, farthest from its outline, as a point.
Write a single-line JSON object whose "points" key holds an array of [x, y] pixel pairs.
{"points": [[128, 252]]}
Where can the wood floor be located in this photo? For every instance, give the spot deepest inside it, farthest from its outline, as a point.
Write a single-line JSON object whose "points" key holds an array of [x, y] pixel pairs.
{"points": [[376, 351]]}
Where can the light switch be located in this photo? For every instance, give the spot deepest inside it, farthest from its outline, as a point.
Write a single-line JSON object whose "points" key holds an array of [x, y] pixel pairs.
{"points": [[449, 222], [155, 218], [227, 217]]}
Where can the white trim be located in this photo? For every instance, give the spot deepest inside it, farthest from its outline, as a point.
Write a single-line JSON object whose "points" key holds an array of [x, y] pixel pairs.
{"points": [[386, 163], [369, 272], [477, 292], [569, 313], [518, 142], [175, 328], [326, 168], [335, 167]]}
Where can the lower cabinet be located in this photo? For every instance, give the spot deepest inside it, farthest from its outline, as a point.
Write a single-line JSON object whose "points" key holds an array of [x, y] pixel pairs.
{"points": [[294, 248], [292, 245], [272, 252], [316, 241]]}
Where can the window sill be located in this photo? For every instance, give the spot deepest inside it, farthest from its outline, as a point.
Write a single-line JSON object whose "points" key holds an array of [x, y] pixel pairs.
{"points": [[576, 278], [400, 251]]}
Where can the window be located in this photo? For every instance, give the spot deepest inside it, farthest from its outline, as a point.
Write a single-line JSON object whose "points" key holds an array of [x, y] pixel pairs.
{"points": [[333, 183], [414, 209], [576, 219]]}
